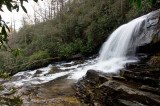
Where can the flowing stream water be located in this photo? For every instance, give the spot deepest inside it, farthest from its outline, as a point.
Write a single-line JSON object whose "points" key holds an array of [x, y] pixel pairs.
{"points": [[119, 49]]}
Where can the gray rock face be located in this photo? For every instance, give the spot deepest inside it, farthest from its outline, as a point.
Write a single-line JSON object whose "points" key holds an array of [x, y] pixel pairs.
{"points": [[150, 28]]}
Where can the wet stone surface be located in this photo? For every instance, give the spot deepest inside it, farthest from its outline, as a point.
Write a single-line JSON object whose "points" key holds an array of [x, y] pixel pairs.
{"points": [[116, 91]]}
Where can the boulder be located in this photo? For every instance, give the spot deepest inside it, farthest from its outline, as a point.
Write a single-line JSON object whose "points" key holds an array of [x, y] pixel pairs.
{"points": [[150, 89], [149, 38], [136, 66], [151, 29], [95, 77], [140, 78], [52, 71], [38, 72]]}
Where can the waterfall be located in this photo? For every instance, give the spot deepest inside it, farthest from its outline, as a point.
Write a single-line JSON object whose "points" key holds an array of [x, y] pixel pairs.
{"points": [[122, 41], [119, 49]]}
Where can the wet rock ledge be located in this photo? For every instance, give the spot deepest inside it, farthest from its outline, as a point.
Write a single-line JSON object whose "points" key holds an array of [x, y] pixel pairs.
{"points": [[137, 86]]}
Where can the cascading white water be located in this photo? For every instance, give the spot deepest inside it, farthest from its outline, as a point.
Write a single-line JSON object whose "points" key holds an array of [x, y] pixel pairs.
{"points": [[120, 41], [115, 51], [112, 57]]}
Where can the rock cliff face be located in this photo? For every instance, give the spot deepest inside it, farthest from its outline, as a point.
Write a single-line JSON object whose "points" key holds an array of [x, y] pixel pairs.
{"points": [[150, 36], [138, 84], [150, 28]]}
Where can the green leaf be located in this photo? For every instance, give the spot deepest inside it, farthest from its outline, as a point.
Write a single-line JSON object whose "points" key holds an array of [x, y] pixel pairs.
{"points": [[25, 0], [7, 27], [151, 2], [4, 32], [9, 5], [15, 6], [139, 3], [21, 1], [24, 9], [17, 9], [131, 2], [36, 0]]}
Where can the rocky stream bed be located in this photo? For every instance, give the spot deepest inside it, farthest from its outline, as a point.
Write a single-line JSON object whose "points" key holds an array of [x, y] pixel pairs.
{"points": [[41, 87], [138, 84], [79, 83]]}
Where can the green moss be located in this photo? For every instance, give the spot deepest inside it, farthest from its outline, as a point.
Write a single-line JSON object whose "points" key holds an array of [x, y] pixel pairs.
{"points": [[15, 101], [1, 88], [4, 75]]}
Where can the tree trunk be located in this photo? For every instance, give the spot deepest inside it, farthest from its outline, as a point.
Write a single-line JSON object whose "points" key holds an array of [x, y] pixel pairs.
{"points": [[122, 13]]}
